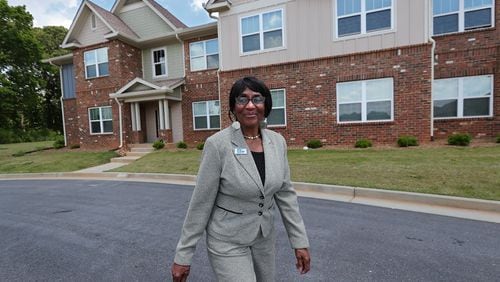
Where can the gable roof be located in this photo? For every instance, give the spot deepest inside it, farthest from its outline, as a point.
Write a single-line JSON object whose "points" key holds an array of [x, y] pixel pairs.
{"points": [[112, 22], [163, 13], [170, 17]]}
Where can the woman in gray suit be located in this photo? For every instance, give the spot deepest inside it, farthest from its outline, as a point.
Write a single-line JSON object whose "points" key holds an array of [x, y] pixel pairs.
{"points": [[243, 175]]}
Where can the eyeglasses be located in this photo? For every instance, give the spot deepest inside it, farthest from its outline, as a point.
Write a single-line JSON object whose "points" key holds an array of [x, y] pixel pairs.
{"points": [[256, 100]]}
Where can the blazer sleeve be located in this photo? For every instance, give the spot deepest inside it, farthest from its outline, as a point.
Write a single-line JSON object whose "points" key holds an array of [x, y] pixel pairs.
{"points": [[201, 204], [286, 200]]}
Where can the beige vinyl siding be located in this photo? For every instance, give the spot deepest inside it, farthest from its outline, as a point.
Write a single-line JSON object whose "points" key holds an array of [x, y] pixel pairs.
{"points": [[138, 87], [176, 119], [84, 32], [145, 22], [309, 32], [175, 62]]}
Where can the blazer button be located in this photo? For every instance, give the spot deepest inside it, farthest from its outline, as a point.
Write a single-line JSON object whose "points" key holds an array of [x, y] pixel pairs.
{"points": [[261, 197], [259, 213], [261, 205]]}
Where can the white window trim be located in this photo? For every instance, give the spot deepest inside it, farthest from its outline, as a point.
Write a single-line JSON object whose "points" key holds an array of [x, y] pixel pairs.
{"points": [[364, 102], [153, 64], [205, 54], [96, 64], [461, 17], [363, 13], [460, 98], [207, 116], [284, 108], [93, 22], [101, 120], [261, 33]]}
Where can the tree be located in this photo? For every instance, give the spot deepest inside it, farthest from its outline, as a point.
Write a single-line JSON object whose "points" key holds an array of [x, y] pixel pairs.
{"points": [[19, 68]]}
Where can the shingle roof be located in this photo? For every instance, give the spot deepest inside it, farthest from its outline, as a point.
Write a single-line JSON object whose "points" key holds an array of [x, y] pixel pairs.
{"points": [[115, 22], [175, 21]]}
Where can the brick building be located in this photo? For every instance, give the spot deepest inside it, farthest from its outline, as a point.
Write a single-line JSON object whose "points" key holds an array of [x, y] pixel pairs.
{"points": [[339, 70]]}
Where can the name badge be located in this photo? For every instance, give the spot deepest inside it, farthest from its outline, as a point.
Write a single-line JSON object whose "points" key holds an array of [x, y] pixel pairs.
{"points": [[240, 151]]}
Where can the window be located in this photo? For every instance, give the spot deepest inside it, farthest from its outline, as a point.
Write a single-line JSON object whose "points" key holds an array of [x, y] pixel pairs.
{"points": [[278, 113], [204, 55], [470, 96], [262, 32], [159, 62], [365, 101], [461, 15], [101, 120], [206, 115], [363, 16], [96, 63]]}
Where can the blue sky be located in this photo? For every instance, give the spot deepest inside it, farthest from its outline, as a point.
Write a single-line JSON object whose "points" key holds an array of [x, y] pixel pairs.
{"points": [[62, 12]]}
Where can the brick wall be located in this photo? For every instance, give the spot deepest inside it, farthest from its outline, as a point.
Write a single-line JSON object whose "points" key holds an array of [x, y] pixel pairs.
{"points": [[200, 86], [124, 65], [71, 122], [471, 53], [311, 95]]}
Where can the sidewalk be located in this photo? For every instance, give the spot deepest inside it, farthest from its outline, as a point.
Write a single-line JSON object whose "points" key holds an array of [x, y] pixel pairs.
{"points": [[474, 209]]}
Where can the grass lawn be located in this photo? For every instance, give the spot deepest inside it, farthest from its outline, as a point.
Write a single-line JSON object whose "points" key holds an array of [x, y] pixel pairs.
{"points": [[47, 160], [472, 172]]}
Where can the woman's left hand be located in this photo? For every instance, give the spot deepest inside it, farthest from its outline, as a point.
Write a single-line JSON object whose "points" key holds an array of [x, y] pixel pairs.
{"points": [[303, 260]]}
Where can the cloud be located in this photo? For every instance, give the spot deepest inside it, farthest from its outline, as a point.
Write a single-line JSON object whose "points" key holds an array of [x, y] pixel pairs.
{"points": [[196, 5], [49, 12]]}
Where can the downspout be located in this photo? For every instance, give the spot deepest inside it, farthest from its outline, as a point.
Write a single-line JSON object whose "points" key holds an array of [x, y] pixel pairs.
{"points": [[62, 104], [183, 55], [433, 51], [120, 121]]}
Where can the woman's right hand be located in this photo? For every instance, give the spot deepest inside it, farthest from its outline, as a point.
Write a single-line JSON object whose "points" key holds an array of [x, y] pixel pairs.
{"points": [[180, 272]]}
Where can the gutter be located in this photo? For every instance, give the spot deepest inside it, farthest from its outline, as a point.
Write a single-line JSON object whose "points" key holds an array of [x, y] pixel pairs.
{"points": [[433, 51], [61, 100], [120, 119]]}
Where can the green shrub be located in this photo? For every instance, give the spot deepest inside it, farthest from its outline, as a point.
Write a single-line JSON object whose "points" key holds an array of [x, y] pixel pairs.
{"points": [[498, 138], [59, 143], [363, 143], [19, 154], [181, 145], [74, 146], [459, 139], [406, 141], [200, 146], [314, 144], [159, 144]]}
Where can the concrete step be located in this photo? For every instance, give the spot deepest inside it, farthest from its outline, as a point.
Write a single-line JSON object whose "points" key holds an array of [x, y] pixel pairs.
{"points": [[126, 159], [141, 145], [137, 154], [142, 150]]}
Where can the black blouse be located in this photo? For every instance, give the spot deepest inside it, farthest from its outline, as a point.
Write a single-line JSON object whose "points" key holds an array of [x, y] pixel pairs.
{"points": [[258, 157]]}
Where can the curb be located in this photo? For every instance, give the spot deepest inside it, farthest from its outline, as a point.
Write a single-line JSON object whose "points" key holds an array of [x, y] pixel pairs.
{"points": [[487, 210]]}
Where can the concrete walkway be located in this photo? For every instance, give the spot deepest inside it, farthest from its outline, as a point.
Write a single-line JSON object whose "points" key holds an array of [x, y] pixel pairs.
{"points": [[101, 168]]}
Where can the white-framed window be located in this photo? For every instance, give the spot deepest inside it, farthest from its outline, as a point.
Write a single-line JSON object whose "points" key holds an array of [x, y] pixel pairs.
{"points": [[263, 31], [461, 15], [277, 117], [96, 63], [206, 115], [159, 57], [363, 16], [101, 120], [93, 23], [204, 55], [365, 100], [463, 97]]}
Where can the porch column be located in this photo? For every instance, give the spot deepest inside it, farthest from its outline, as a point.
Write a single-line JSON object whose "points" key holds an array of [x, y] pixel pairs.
{"points": [[138, 116], [161, 115], [166, 112], [132, 115]]}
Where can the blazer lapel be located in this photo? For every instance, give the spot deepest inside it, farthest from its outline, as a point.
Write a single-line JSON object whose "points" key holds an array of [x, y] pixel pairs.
{"points": [[245, 160], [270, 156]]}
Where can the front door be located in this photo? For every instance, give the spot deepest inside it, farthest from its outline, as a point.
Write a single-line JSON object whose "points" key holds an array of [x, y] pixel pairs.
{"points": [[152, 122]]}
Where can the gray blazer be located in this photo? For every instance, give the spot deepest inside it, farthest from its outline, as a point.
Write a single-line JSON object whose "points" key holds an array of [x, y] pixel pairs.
{"points": [[229, 200]]}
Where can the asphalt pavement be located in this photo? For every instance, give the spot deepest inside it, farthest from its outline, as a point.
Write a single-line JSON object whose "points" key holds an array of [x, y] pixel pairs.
{"points": [[95, 230]]}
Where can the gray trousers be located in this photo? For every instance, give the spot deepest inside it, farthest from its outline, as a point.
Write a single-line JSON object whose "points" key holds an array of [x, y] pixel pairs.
{"points": [[243, 263]]}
